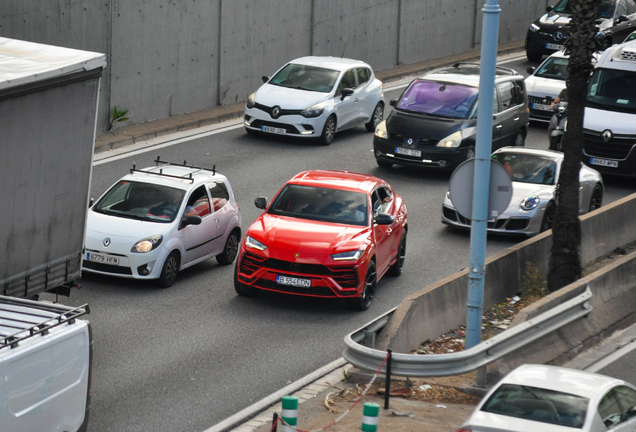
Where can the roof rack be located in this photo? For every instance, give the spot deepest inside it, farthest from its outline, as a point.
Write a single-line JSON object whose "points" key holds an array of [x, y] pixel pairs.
{"points": [[37, 320], [187, 177], [500, 69]]}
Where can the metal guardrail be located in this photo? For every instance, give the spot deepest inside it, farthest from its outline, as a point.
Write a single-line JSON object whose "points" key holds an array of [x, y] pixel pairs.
{"points": [[437, 365]]}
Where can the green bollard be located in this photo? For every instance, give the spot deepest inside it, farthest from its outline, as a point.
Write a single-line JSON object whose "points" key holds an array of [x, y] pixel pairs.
{"points": [[370, 417], [290, 413]]}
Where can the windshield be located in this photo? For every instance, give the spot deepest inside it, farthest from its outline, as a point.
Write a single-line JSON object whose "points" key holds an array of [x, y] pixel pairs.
{"points": [[322, 204], [528, 168], [303, 77], [538, 404], [613, 90], [141, 201], [554, 68], [439, 99], [605, 8]]}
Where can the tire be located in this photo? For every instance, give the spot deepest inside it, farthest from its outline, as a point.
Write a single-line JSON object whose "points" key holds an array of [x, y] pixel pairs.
{"points": [[396, 268], [470, 152], [363, 302], [383, 164], [376, 117], [605, 44], [548, 217], [520, 140], [169, 271], [242, 289], [328, 131], [230, 250], [597, 198], [533, 56]]}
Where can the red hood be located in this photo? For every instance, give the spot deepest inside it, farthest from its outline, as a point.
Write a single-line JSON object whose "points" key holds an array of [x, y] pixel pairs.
{"points": [[287, 234]]}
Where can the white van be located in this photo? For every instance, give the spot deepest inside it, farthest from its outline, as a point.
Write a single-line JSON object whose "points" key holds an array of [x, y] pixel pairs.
{"points": [[45, 367], [609, 128]]}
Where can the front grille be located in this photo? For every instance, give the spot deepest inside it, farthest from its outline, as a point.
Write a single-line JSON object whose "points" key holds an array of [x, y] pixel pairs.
{"points": [[313, 291], [618, 147], [518, 224], [290, 129], [281, 111], [346, 277], [417, 142], [107, 268]]}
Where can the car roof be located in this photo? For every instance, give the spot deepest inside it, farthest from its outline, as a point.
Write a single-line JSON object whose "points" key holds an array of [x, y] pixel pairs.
{"points": [[335, 63], [468, 74], [562, 379], [167, 175], [621, 56], [337, 180]]}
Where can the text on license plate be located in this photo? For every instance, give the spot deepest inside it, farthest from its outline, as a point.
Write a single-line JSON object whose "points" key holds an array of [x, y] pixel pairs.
{"points": [[408, 152], [604, 162], [274, 130], [106, 259], [292, 281], [554, 46], [541, 107]]}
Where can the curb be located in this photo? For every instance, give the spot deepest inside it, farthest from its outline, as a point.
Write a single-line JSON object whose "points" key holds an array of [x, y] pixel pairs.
{"points": [[132, 134]]}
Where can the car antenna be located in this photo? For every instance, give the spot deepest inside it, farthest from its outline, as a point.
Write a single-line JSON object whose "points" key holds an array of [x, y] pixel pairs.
{"points": [[343, 50]]}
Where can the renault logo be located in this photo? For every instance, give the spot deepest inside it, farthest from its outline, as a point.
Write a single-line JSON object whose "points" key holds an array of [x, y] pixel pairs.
{"points": [[275, 112], [607, 135], [558, 36], [409, 141], [106, 242]]}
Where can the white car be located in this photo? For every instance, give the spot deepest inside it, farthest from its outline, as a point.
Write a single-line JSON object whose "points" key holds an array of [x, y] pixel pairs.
{"points": [[547, 398], [159, 220], [535, 174], [315, 97], [544, 85]]}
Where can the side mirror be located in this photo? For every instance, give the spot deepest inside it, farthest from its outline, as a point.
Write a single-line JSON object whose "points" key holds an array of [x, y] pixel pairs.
{"points": [[531, 69], [261, 202], [383, 219], [90, 202], [393, 102], [549, 8], [622, 18], [191, 220], [265, 78], [346, 92]]}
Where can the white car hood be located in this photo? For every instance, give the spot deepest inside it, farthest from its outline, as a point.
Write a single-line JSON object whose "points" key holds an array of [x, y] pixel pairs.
{"points": [[288, 98], [117, 227], [521, 191], [617, 122], [541, 87]]}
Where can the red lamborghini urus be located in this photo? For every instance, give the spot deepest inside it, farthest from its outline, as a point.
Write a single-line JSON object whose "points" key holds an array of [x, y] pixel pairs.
{"points": [[330, 234]]}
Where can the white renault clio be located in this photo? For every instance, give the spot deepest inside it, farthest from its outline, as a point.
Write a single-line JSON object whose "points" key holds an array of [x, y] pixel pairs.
{"points": [[162, 219], [315, 97]]}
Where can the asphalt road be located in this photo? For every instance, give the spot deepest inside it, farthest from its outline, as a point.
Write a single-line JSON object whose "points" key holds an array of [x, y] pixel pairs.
{"points": [[187, 357]]}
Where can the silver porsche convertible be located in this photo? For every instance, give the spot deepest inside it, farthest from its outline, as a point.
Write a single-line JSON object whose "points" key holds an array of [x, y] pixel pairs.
{"points": [[535, 174]]}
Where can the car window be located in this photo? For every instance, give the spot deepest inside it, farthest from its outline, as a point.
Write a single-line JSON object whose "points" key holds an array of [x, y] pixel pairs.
{"points": [[219, 193], [495, 102], [364, 75], [609, 410], [606, 8], [198, 203], [303, 77], [438, 99], [348, 81], [627, 399], [621, 8], [382, 200], [613, 89], [554, 68], [631, 7], [505, 94], [528, 168]]}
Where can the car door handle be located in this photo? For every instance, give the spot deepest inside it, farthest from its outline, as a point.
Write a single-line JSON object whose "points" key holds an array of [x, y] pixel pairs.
{"points": [[217, 222], [357, 100], [389, 230], [498, 126], [516, 119]]}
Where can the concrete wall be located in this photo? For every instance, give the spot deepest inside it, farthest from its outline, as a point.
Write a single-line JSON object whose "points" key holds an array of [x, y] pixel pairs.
{"points": [[171, 58], [441, 307]]}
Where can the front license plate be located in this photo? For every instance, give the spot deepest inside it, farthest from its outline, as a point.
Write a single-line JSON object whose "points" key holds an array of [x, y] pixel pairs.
{"points": [[274, 130], [408, 152], [554, 46], [292, 281], [604, 162], [541, 107], [106, 259]]}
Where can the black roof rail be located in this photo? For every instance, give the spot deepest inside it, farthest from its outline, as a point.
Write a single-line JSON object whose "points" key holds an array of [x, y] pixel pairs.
{"points": [[187, 177], [501, 69], [26, 328]]}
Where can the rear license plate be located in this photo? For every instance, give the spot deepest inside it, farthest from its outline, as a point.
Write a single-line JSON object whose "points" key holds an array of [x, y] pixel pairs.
{"points": [[604, 162], [554, 46], [541, 107], [292, 281], [106, 259], [274, 130], [408, 152]]}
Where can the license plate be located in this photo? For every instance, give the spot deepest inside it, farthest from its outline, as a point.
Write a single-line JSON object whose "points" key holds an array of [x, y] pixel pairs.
{"points": [[541, 107], [274, 130], [554, 46], [106, 259], [408, 152], [292, 281], [604, 162]]}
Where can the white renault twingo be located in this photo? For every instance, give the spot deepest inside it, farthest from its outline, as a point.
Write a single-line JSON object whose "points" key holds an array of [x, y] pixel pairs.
{"points": [[159, 220]]}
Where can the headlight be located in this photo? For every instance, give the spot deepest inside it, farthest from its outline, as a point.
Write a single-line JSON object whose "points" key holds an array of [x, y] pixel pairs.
{"points": [[347, 256], [534, 27], [530, 202], [253, 243], [251, 103], [314, 110], [451, 141], [380, 130], [147, 244]]}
